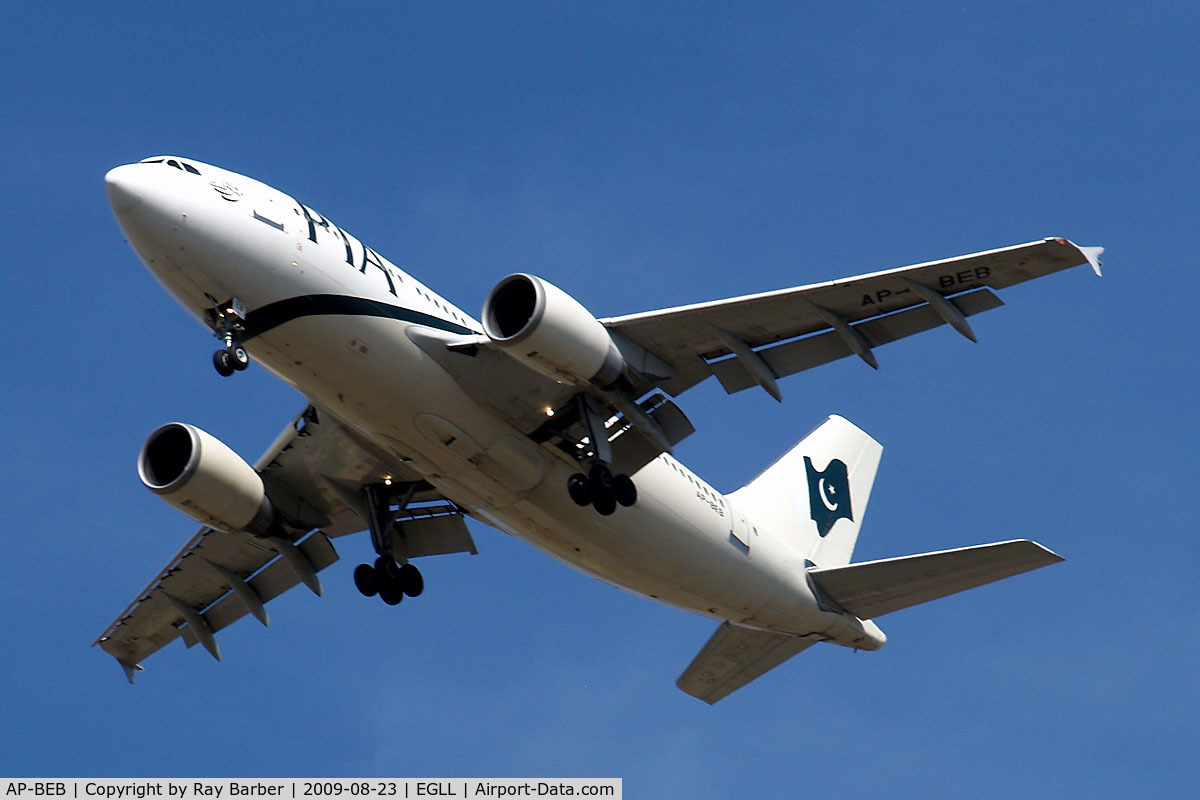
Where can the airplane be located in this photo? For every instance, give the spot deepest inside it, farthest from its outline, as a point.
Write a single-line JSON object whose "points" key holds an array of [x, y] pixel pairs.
{"points": [[539, 420]]}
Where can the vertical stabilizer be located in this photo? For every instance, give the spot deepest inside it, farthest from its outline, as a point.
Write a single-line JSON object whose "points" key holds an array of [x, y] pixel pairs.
{"points": [[815, 496]]}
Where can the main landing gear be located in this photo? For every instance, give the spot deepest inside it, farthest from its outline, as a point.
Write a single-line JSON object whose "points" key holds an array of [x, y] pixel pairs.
{"points": [[226, 320], [600, 488], [386, 578], [391, 581]]}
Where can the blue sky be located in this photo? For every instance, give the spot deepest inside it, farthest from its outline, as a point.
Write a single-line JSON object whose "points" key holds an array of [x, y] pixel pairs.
{"points": [[638, 157]]}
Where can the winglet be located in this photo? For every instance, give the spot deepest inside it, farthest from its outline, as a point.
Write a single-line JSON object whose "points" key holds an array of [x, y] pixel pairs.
{"points": [[1092, 254]]}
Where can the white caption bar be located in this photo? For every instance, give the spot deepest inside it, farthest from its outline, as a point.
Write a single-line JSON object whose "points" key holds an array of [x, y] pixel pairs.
{"points": [[298, 789]]}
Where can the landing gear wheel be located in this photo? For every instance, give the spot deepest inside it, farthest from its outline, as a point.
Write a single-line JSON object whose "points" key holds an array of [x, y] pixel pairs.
{"points": [[578, 488], [411, 581], [393, 580], [238, 357], [223, 363], [600, 479], [604, 504], [624, 490], [364, 580], [391, 593], [387, 569], [600, 483]]}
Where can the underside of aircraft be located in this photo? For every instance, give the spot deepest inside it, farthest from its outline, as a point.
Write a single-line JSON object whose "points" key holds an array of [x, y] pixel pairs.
{"points": [[539, 419]]}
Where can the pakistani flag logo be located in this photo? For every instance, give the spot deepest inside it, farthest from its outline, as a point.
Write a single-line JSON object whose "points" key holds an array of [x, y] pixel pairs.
{"points": [[828, 494]]}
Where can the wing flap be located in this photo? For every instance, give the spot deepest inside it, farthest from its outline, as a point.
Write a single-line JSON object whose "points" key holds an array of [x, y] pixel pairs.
{"points": [[874, 588], [733, 657], [153, 621], [811, 351], [270, 582], [685, 337]]}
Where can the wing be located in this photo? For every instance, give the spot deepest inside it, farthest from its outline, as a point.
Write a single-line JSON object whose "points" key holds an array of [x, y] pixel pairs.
{"points": [[873, 588], [734, 656], [744, 341], [752, 340], [314, 473]]}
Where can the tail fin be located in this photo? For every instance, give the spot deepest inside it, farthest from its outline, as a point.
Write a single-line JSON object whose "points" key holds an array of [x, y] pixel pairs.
{"points": [[817, 492]]}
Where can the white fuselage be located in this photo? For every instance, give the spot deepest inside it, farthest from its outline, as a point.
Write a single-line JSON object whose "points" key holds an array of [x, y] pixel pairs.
{"points": [[222, 235]]}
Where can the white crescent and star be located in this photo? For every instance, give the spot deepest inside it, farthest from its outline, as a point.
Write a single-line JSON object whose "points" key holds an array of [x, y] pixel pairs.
{"points": [[824, 492]]}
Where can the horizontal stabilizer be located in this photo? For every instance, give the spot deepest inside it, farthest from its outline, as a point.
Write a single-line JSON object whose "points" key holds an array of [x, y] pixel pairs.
{"points": [[873, 588], [733, 657]]}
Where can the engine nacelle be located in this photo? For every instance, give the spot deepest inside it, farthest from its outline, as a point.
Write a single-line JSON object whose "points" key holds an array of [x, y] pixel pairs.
{"points": [[540, 324], [198, 474]]}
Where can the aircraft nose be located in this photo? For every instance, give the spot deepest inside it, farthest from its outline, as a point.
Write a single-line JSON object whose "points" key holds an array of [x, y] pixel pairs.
{"points": [[147, 200], [125, 187]]}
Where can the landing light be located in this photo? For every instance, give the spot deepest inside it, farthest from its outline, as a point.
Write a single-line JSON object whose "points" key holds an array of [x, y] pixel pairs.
{"points": [[549, 411], [387, 481]]}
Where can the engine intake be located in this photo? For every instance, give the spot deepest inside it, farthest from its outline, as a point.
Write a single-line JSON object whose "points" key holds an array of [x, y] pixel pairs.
{"points": [[198, 474], [540, 324]]}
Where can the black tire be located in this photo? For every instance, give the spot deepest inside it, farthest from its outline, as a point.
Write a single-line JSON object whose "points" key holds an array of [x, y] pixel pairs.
{"points": [[223, 363], [364, 580], [605, 504], [600, 479], [624, 490], [579, 489], [600, 482], [391, 593], [411, 581], [238, 357], [387, 570]]}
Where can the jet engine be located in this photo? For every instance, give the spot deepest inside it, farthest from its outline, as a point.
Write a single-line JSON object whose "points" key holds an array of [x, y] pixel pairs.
{"points": [[198, 474], [540, 324]]}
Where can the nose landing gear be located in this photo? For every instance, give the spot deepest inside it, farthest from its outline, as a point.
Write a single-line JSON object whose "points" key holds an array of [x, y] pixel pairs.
{"points": [[233, 358], [226, 321]]}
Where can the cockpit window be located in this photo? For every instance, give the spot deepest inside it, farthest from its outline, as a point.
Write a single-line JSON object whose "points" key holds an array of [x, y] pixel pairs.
{"points": [[180, 165]]}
